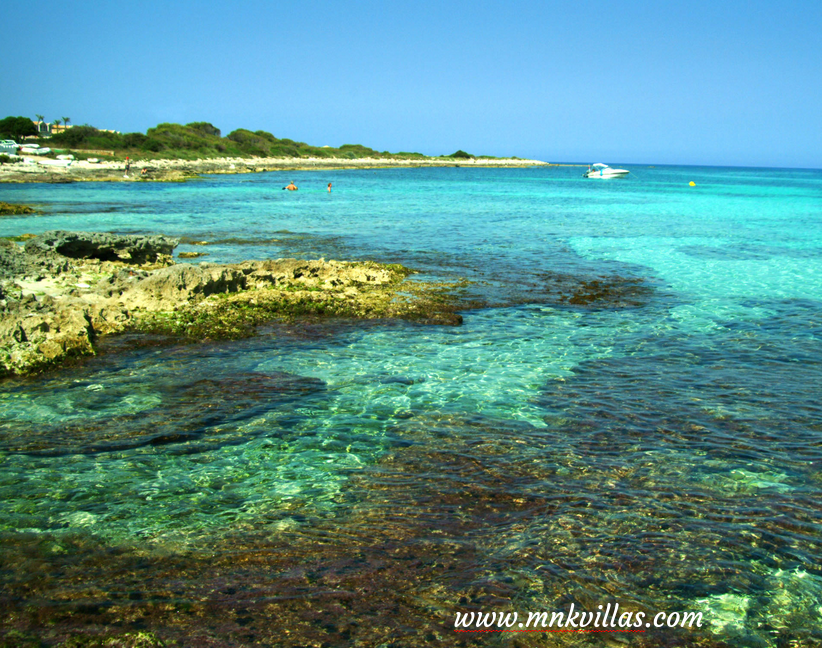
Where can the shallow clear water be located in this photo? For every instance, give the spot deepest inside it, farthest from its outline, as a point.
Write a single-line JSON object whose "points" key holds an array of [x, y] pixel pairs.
{"points": [[661, 447]]}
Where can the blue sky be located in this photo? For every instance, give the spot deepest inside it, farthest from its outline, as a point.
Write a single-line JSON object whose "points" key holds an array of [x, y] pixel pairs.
{"points": [[718, 83]]}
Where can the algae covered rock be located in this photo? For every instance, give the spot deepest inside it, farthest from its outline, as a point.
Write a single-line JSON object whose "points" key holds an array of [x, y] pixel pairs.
{"points": [[53, 306], [8, 209], [228, 301]]}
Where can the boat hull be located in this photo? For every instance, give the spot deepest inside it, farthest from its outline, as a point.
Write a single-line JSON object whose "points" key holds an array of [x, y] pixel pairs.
{"points": [[613, 173], [603, 171], [55, 163]]}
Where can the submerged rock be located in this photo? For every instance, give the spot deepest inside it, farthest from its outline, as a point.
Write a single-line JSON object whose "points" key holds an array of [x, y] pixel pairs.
{"points": [[610, 292], [200, 413]]}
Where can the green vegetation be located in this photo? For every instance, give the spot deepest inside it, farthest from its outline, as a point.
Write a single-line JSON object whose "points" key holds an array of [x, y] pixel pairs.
{"points": [[197, 140], [202, 140], [86, 137], [16, 128]]}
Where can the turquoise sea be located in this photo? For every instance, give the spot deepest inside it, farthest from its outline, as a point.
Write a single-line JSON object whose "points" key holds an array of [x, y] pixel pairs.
{"points": [[340, 483]]}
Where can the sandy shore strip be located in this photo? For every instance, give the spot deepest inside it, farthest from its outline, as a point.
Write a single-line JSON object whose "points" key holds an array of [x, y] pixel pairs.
{"points": [[31, 170]]}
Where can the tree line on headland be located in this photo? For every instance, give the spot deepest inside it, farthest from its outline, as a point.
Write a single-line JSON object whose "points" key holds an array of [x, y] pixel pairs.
{"points": [[192, 141]]}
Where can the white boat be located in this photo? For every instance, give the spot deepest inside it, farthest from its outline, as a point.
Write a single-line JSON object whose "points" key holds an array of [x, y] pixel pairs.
{"points": [[600, 170], [56, 163], [34, 149]]}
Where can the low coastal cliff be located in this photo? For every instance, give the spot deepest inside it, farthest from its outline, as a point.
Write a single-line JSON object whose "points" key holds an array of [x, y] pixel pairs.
{"points": [[63, 290]]}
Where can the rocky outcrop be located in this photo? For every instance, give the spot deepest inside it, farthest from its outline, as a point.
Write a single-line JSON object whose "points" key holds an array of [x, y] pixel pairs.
{"points": [[39, 333], [167, 288], [53, 307], [7, 209], [14, 262], [103, 246]]}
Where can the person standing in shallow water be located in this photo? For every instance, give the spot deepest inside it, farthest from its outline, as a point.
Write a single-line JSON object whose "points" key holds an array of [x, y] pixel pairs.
{"points": [[291, 187], [329, 187]]}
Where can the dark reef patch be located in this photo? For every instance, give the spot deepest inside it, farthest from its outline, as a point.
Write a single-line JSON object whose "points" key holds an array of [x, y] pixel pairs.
{"points": [[468, 515], [199, 415], [589, 291]]}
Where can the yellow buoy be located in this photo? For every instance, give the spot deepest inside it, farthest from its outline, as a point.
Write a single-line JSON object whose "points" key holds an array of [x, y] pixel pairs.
{"points": [[692, 183]]}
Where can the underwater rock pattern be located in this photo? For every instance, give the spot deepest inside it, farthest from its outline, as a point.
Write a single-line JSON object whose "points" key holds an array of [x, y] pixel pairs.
{"points": [[202, 414], [662, 499]]}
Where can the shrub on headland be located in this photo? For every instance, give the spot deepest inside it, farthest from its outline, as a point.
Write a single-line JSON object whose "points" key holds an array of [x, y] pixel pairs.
{"points": [[194, 140], [255, 144], [134, 140], [87, 137], [151, 144], [198, 136], [205, 128], [16, 128], [358, 151]]}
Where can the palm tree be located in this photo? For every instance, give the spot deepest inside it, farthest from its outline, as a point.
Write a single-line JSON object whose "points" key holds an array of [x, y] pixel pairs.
{"points": [[66, 121], [40, 123], [56, 122]]}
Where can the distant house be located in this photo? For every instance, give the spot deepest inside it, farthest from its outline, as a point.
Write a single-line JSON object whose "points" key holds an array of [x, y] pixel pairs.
{"points": [[44, 129]]}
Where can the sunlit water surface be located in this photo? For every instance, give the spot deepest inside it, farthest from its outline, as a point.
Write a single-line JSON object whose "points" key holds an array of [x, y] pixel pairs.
{"points": [[354, 482]]}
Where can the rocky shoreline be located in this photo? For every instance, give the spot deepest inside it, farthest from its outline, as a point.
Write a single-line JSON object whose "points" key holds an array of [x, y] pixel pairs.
{"points": [[62, 291], [29, 170]]}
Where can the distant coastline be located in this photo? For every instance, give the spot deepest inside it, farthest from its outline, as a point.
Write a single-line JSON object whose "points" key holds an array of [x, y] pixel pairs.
{"points": [[175, 152], [175, 170]]}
